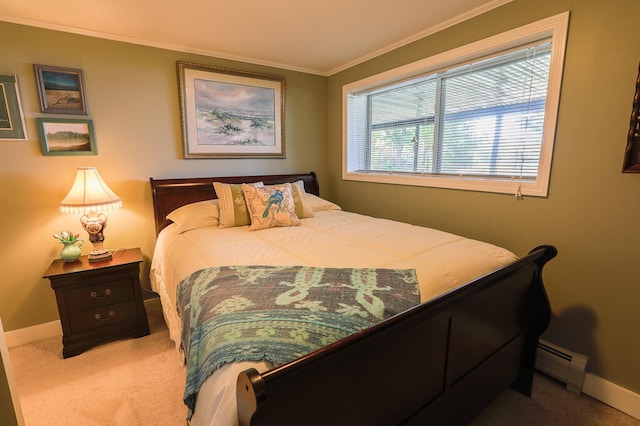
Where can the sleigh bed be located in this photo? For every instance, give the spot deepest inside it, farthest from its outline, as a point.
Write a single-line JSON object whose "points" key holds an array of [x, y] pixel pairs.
{"points": [[472, 333]]}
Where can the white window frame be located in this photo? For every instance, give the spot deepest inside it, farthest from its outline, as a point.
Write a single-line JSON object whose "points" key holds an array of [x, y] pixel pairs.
{"points": [[554, 27]]}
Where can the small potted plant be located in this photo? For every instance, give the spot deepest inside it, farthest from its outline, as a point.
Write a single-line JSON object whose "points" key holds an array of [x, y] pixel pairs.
{"points": [[71, 250]]}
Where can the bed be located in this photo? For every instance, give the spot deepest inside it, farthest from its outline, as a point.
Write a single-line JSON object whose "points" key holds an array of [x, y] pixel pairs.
{"points": [[473, 332]]}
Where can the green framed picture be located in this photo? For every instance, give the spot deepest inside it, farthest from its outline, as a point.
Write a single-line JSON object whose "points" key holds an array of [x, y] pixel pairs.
{"points": [[66, 136], [12, 124]]}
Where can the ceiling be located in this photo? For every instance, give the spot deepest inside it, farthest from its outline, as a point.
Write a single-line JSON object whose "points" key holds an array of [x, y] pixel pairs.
{"points": [[318, 36]]}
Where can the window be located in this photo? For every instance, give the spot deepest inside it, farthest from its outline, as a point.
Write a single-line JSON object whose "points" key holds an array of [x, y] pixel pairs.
{"points": [[481, 117]]}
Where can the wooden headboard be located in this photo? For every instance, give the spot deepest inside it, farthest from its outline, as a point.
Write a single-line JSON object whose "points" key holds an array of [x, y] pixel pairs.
{"points": [[169, 194]]}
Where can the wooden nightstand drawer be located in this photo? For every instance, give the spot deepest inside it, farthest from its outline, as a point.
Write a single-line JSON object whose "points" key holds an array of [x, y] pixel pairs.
{"points": [[100, 294], [102, 316]]}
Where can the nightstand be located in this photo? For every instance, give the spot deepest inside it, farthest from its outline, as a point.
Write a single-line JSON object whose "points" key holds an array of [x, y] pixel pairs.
{"points": [[98, 301]]}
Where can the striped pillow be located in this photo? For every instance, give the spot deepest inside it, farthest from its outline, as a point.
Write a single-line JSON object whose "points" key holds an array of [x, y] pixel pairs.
{"points": [[233, 208]]}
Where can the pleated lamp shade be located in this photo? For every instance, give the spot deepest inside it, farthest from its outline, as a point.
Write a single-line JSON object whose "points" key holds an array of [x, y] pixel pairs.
{"points": [[89, 193]]}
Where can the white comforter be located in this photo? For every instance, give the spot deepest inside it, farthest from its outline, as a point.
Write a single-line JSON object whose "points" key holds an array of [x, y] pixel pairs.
{"points": [[332, 238]]}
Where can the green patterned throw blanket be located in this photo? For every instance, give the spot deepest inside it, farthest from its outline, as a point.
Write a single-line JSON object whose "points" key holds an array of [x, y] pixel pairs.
{"points": [[277, 314]]}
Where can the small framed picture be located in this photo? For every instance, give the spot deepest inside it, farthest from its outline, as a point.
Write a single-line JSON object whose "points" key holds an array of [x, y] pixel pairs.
{"points": [[61, 90], [231, 114], [66, 136], [11, 117]]}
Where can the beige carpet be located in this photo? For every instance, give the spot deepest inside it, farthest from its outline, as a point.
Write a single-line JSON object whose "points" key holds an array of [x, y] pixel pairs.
{"points": [[126, 382], [140, 382], [550, 405]]}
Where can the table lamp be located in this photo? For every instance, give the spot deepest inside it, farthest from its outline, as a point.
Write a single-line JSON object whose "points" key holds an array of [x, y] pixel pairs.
{"points": [[91, 196]]}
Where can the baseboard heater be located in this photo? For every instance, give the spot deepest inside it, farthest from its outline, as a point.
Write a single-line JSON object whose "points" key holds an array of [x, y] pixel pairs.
{"points": [[562, 364]]}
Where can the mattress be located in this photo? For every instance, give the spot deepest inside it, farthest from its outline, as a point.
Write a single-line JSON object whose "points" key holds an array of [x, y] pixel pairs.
{"points": [[331, 238]]}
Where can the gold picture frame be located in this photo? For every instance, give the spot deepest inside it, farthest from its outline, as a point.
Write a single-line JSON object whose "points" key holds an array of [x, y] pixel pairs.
{"points": [[227, 113]]}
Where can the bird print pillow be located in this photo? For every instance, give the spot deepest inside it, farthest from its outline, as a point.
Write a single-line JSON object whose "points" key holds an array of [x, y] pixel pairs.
{"points": [[270, 206]]}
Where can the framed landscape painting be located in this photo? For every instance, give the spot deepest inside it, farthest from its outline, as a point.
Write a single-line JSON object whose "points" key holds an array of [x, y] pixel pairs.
{"points": [[61, 90], [66, 136], [231, 114], [11, 118]]}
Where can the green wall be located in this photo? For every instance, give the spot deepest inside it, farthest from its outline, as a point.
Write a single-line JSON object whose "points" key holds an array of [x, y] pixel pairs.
{"points": [[593, 283], [132, 95]]}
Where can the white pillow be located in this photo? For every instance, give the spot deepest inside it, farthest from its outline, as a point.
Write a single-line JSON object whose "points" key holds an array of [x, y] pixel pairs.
{"points": [[195, 215], [318, 204]]}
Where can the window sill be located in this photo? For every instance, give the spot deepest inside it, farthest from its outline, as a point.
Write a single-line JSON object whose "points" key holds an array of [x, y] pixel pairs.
{"points": [[512, 187]]}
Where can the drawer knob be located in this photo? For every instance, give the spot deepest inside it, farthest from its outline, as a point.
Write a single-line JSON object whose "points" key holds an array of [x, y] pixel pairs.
{"points": [[106, 293], [110, 315]]}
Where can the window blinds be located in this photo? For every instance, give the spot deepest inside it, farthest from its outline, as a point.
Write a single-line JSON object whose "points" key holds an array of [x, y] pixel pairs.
{"points": [[483, 119]]}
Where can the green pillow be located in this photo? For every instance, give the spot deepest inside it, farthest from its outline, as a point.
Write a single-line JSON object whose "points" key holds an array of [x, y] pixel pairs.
{"points": [[233, 208]]}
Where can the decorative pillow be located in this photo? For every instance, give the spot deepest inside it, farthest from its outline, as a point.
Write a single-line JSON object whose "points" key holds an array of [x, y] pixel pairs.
{"points": [[318, 204], [270, 206], [195, 215], [303, 209], [233, 209]]}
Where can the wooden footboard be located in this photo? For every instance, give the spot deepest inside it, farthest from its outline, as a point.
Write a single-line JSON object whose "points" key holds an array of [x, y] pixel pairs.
{"points": [[441, 362]]}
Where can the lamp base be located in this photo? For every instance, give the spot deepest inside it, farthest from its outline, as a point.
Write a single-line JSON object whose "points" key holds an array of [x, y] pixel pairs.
{"points": [[99, 255], [94, 223]]}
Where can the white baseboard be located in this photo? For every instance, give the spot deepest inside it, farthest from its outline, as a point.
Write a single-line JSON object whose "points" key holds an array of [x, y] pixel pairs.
{"points": [[153, 305], [25, 335], [611, 394], [54, 328]]}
